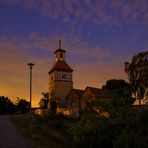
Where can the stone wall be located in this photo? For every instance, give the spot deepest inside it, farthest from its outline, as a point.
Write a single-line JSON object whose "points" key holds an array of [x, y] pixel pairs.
{"points": [[73, 105]]}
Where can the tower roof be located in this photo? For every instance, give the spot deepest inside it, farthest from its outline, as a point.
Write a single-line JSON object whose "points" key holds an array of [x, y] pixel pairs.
{"points": [[61, 66]]}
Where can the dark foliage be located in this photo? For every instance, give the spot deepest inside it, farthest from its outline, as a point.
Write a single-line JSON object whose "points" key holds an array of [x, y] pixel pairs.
{"points": [[125, 127], [6, 106], [119, 87], [137, 71], [44, 100], [23, 106], [121, 90]]}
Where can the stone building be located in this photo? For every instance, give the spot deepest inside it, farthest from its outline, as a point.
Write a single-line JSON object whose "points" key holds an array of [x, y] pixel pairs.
{"points": [[60, 81]]}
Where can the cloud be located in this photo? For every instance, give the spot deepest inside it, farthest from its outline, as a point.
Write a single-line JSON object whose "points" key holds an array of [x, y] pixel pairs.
{"points": [[70, 42], [8, 1], [101, 12]]}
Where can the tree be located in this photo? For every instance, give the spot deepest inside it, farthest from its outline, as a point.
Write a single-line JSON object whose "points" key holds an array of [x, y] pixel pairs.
{"points": [[137, 72], [94, 130], [6, 106], [44, 100], [22, 105], [121, 90]]}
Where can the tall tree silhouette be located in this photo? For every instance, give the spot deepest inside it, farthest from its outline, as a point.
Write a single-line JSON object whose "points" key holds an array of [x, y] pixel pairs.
{"points": [[44, 100], [137, 72], [121, 90], [22, 105]]}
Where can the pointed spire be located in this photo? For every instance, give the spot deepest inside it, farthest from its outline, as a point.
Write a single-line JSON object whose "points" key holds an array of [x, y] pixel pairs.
{"points": [[60, 44]]}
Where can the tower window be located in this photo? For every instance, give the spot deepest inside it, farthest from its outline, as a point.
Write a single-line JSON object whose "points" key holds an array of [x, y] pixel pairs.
{"points": [[69, 76], [64, 75]]}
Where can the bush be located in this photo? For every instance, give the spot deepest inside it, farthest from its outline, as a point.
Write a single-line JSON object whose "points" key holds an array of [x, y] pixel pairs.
{"points": [[128, 128]]}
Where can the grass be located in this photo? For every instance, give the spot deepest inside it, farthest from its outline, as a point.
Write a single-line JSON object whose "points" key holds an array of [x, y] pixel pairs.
{"points": [[46, 132]]}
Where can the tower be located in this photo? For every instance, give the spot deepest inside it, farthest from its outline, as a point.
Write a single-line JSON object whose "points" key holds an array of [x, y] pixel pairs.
{"points": [[60, 81]]}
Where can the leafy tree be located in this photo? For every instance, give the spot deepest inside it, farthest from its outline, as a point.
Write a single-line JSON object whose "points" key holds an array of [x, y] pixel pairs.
{"points": [[22, 105], [6, 106], [44, 100], [121, 90], [137, 71]]}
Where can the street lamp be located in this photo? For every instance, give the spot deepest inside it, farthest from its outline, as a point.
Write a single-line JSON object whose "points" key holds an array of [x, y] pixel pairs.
{"points": [[30, 66]]}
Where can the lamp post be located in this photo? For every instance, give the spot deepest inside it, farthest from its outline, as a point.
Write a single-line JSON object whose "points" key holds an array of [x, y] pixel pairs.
{"points": [[30, 66]]}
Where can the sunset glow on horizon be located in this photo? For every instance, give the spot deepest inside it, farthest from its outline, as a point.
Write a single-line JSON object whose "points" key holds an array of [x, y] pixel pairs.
{"points": [[98, 36]]}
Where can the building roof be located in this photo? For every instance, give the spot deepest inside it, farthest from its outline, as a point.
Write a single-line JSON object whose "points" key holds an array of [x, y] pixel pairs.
{"points": [[61, 65], [78, 92], [100, 93]]}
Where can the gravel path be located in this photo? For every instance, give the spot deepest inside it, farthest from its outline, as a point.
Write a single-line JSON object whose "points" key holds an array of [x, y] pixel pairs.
{"points": [[10, 137]]}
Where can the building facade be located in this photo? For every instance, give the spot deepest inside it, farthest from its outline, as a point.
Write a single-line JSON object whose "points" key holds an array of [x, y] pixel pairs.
{"points": [[73, 102]]}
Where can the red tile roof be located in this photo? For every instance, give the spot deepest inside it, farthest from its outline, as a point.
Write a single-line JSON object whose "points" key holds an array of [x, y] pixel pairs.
{"points": [[61, 65]]}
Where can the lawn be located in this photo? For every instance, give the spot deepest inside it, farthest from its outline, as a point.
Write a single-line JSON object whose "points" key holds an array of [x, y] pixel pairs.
{"points": [[47, 132]]}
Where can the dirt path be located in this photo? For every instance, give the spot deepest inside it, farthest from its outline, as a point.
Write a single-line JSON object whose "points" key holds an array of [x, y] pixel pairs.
{"points": [[10, 137]]}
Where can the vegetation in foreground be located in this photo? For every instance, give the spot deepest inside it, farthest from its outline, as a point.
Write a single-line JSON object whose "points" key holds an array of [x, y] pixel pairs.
{"points": [[7, 107], [125, 127], [51, 131]]}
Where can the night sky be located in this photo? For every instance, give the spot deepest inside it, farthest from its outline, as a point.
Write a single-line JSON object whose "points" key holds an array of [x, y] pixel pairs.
{"points": [[98, 35]]}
